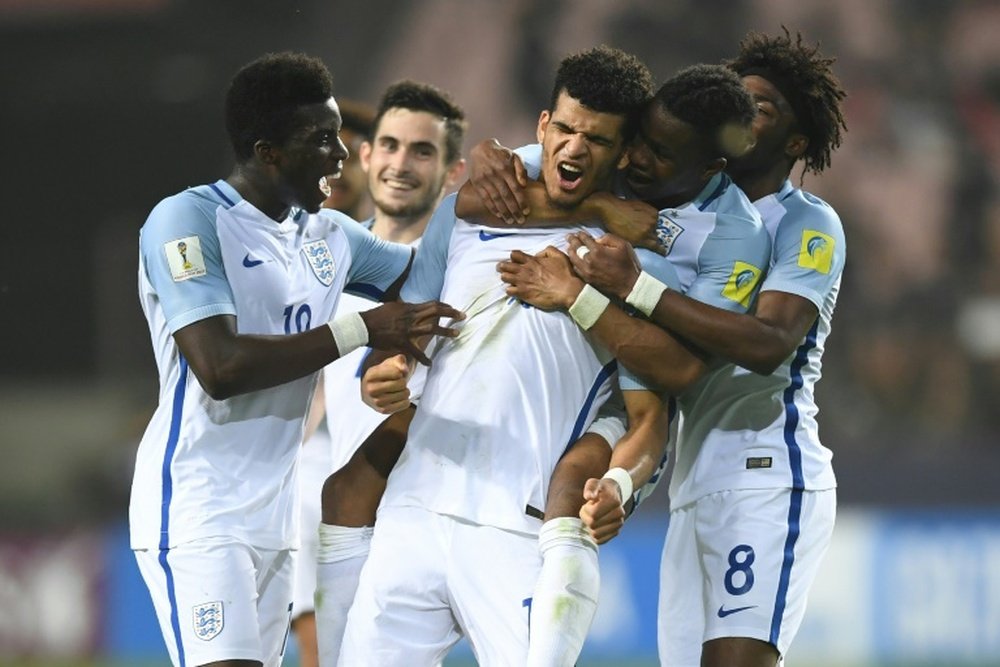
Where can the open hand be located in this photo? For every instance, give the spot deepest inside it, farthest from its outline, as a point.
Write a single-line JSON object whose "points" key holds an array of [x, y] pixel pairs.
{"points": [[545, 280], [631, 219], [498, 176], [400, 326]]}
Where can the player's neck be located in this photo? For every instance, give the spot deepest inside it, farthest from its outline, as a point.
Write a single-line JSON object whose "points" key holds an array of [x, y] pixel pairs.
{"points": [[258, 194], [759, 184], [399, 229]]}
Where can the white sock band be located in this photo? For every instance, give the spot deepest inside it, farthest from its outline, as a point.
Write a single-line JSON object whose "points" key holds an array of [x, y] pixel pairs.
{"points": [[646, 294], [624, 480], [564, 531], [349, 332], [337, 543], [588, 307]]}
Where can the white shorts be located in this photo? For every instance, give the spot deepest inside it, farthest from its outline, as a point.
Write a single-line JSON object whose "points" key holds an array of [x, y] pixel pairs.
{"points": [[429, 579], [740, 564], [220, 600], [314, 468]]}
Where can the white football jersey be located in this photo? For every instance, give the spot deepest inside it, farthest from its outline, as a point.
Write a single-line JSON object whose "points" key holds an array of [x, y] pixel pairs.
{"points": [[349, 420], [720, 249], [741, 430], [208, 468], [504, 399]]}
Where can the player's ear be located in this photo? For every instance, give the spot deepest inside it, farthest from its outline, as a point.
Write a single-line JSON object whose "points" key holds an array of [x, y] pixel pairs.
{"points": [[543, 122], [365, 155], [455, 173], [266, 152], [796, 145], [623, 160], [714, 167]]}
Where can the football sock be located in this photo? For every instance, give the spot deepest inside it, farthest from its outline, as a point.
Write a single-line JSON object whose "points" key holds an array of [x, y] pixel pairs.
{"points": [[565, 596], [341, 554]]}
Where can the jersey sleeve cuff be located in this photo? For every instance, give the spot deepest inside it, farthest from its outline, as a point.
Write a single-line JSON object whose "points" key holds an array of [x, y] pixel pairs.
{"points": [[200, 313]]}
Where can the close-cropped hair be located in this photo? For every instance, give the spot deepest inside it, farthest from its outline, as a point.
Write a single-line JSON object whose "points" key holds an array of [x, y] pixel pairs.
{"points": [[713, 100], [264, 96], [416, 96], [606, 80], [805, 78]]}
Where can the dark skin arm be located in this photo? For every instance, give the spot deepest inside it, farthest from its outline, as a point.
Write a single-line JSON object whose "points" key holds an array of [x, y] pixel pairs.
{"points": [[758, 342], [227, 363], [547, 281], [639, 453], [497, 182]]}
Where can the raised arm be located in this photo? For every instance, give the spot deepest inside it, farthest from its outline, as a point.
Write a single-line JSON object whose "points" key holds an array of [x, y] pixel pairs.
{"points": [[499, 193]]}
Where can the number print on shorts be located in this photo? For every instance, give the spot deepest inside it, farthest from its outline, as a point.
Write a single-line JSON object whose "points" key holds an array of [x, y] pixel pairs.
{"points": [[740, 560]]}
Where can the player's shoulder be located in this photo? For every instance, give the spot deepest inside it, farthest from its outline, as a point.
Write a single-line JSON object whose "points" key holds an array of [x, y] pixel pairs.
{"points": [[733, 210], [189, 211], [805, 211]]}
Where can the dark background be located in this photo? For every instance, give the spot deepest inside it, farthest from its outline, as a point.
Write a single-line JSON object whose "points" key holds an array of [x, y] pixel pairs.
{"points": [[108, 106]]}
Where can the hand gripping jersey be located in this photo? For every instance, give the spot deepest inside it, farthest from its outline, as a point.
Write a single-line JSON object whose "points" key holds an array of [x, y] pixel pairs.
{"points": [[208, 468], [504, 399], [349, 420], [742, 430]]}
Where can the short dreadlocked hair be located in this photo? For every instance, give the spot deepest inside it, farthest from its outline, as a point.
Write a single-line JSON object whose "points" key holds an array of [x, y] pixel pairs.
{"points": [[712, 100], [606, 80], [805, 79], [265, 95]]}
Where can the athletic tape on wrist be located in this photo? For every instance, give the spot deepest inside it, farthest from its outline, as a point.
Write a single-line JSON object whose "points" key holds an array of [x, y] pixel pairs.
{"points": [[588, 307], [646, 293], [624, 480], [349, 332]]}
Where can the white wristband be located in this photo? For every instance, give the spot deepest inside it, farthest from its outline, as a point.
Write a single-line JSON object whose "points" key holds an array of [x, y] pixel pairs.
{"points": [[588, 307], [624, 480], [349, 332], [646, 294]]}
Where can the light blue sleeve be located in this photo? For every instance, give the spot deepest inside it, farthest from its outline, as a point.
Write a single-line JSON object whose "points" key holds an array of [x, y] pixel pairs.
{"points": [[426, 278], [809, 250], [375, 263], [731, 264], [531, 156], [660, 268], [188, 300]]}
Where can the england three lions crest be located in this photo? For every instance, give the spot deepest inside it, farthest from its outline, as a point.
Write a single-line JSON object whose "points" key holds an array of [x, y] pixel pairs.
{"points": [[667, 232], [208, 620], [321, 260]]}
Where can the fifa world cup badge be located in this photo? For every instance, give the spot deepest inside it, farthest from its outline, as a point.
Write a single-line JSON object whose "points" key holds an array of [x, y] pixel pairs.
{"points": [[184, 258]]}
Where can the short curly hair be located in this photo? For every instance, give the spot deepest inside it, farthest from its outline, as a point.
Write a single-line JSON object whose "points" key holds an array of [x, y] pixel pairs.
{"points": [[808, 82], [606, 80], [714, 101], [416, 96], [264, 96]]}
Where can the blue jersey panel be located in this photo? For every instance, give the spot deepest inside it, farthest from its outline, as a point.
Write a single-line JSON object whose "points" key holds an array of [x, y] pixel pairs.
{"points": [[426, 278], [182, 229]]}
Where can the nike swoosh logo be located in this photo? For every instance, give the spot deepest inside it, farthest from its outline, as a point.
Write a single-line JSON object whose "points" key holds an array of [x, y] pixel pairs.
{"points": [[250, 263], [723, 612], [483, 236]]}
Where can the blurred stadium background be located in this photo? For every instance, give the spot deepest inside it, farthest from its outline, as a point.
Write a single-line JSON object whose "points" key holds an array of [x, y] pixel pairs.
{"points": [[109, 105]]}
